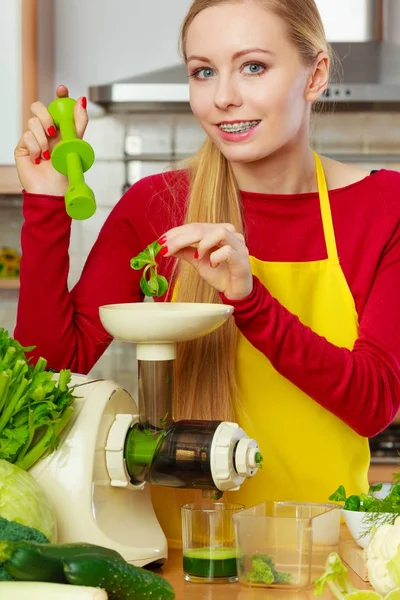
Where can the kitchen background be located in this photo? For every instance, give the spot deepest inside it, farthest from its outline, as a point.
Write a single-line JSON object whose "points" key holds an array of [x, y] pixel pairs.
{"points": [[92, 43]]}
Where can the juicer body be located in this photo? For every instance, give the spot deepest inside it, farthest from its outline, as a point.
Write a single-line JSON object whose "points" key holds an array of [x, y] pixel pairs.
{"points": [[89, 477], [90, 505]]}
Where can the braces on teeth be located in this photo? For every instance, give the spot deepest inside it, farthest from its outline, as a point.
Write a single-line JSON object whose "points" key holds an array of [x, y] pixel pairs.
{"points": [[238, 127]]}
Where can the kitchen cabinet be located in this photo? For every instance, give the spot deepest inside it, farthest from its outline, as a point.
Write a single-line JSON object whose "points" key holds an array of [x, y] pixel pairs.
{"points": [[342, 26], [18, 70], [382, 472], [9, 284]]}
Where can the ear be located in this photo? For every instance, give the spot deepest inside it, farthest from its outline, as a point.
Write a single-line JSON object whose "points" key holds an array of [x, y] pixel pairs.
{"points": [[318, 79]]}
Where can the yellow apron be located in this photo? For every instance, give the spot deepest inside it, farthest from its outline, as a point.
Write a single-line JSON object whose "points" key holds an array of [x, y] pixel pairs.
{"points": [[308, 452]]}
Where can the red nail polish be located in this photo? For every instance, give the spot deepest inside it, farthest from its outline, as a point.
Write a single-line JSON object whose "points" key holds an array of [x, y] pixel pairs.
{"points": [[37, 160], [52, 131], [162, 240], [196, 254], [84, 101], [46, 155], [163, 251]]}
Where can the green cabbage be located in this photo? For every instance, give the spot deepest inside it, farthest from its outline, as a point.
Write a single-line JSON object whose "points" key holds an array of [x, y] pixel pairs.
{"points": [[23, 500]]}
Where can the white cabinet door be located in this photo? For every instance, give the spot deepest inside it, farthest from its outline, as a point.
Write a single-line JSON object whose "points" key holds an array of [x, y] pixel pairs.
{"points": [[348, 20], [10, 79]]}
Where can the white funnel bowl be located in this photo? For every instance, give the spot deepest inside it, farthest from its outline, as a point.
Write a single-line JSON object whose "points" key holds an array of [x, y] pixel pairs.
{"points": [[157, 326]]}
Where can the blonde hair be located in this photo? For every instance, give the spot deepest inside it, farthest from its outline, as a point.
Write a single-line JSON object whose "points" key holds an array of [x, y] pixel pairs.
{"points": [[205, 380]]}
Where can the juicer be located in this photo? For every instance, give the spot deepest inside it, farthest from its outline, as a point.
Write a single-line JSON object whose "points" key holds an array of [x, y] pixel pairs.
{"points": [[113, 449]]}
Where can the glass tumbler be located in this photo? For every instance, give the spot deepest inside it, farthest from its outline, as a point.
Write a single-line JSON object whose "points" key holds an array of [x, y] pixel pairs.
{"points": [[209, 553]]}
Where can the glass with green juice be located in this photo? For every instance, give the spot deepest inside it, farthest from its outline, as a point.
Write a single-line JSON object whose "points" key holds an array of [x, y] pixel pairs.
{"points": [[209, 553]]}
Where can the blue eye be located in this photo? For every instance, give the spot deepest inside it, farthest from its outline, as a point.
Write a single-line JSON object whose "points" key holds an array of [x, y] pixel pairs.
{"points": [[205, 73], [254, 68]]}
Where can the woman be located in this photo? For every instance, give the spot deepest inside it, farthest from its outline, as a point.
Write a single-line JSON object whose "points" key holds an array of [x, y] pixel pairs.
{"points": [[310, 364]]}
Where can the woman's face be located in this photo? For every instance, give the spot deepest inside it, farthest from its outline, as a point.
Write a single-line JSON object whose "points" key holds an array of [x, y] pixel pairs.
{"points": [[248, 87]]}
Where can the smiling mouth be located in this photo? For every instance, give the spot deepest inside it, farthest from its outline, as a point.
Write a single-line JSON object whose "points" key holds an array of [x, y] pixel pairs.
{"points": [[239, 127]]}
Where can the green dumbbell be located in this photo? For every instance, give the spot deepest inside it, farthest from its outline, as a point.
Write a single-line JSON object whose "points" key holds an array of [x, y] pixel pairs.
{"points": [[72, 157]]}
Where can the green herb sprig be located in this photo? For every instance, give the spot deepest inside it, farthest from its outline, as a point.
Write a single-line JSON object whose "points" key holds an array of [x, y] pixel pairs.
{"points": [[378, 511], [151, 283]]}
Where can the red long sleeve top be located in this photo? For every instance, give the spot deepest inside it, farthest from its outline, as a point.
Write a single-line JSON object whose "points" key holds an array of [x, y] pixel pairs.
{"points": [[361, 386]]}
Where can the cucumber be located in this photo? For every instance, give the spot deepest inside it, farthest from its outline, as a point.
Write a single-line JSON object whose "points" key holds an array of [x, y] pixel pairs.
{"points": [[31, 561], [121, 580]]}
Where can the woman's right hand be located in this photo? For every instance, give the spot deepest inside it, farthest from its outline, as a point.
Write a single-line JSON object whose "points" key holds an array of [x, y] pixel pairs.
{"points": [[32, 154]]}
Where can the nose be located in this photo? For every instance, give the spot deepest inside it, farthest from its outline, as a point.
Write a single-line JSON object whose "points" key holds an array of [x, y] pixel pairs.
{"points": [[227, 93]]}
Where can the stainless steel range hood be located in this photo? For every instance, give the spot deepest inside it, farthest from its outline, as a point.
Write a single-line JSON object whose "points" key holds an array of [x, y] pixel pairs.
{"points": [[166, 90], [369, 79]]}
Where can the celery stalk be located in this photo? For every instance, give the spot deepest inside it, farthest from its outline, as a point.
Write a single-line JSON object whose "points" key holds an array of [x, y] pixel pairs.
{"points": [[63, 380], [37, 451], [63, 421], [40, 366], [9, 408], [5, 381]]}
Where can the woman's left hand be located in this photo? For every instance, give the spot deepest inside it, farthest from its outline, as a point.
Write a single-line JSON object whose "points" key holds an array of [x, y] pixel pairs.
{"points": [[217, 251]]}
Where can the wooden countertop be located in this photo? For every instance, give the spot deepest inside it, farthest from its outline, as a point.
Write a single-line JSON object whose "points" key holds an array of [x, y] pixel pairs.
{"points": [[185, 590]]}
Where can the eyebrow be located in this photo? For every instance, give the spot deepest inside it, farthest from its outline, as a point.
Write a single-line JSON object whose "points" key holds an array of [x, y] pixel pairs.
{"points": [[234, 57]]}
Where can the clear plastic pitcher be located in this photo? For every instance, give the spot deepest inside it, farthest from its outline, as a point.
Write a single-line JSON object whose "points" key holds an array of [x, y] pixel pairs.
{"points": [[284, 544]]}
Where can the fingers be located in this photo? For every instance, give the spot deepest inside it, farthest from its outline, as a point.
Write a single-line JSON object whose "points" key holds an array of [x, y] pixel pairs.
{"points": [[81, 116], [40, 147], [205, 236], [62, 91], [226, 254], [35, 141], [39, 110], [217, 238], [29, 145], [195, 230]]}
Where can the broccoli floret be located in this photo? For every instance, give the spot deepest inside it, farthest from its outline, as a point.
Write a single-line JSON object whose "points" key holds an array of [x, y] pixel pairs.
{"points": [[282, 577], [4, 576], [267, 558], [11, 531], [261, 572], [264, 571]]}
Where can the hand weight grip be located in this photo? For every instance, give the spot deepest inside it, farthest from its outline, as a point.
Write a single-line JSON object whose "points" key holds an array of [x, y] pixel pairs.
{"points": [[72, 157]]}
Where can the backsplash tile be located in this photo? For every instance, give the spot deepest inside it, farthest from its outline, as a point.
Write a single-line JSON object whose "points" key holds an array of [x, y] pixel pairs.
{"points": [[8, 309], [189, 135], [382, 133], [10, 228], [339, 133], [11, 220], [151, 134], [106, 136], [119, 364], [106, 178], [137, 170]]}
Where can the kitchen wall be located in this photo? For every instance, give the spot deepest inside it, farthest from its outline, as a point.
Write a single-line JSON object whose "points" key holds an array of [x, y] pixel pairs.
{"points": [[114, 40]]}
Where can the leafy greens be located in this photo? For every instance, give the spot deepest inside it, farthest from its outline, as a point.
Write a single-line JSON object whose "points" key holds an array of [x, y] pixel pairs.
{"points": [[379, 510], [34, 406], [151, 283]]}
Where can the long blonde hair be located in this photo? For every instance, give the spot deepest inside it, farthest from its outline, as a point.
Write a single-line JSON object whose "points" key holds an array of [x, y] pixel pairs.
{"points": [[205, 382]]}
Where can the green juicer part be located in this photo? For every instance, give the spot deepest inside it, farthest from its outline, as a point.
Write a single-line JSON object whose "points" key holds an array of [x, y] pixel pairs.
{"points": [[72, 157]]}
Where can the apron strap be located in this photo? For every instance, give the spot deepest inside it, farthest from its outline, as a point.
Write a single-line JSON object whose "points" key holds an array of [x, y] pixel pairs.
{"points": [[326, 213]]}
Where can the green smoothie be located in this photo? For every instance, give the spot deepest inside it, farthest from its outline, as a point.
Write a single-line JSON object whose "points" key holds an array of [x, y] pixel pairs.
{"points": [[210, 562]]}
